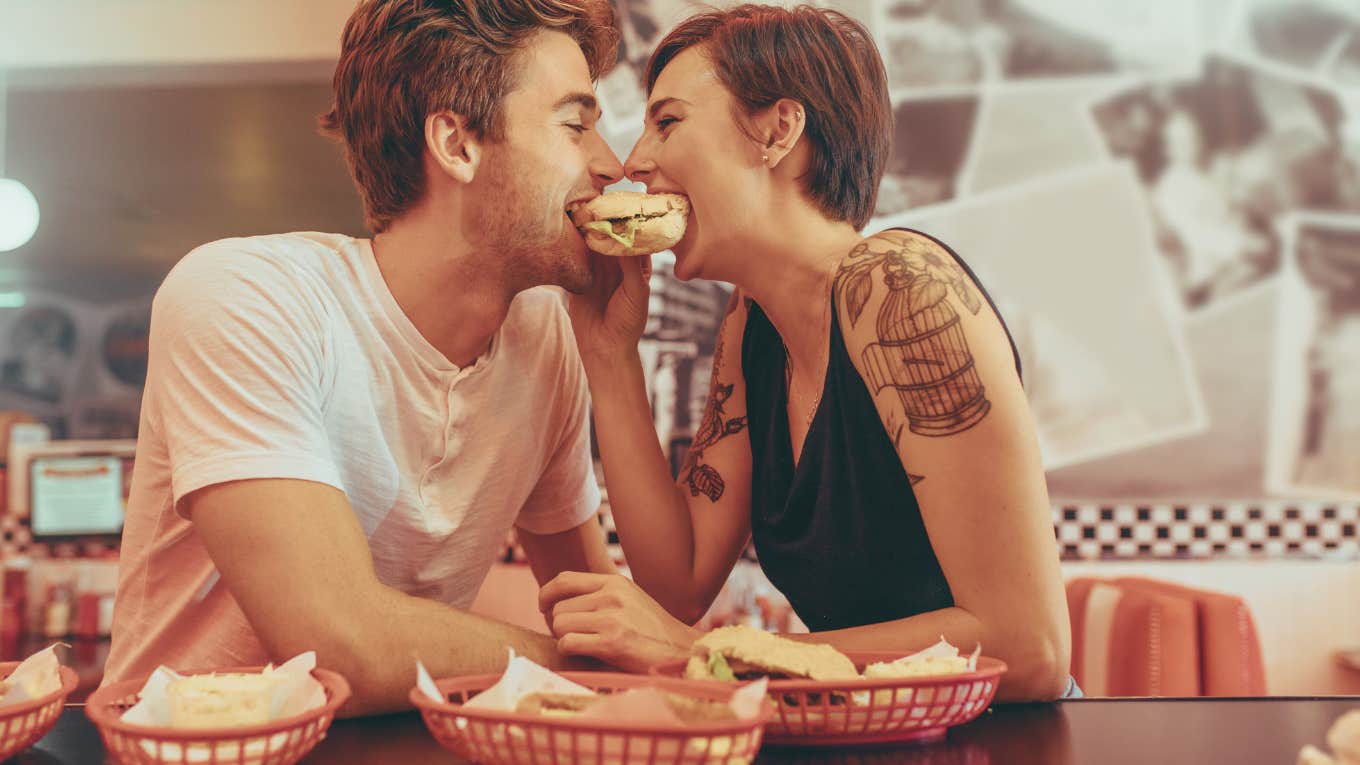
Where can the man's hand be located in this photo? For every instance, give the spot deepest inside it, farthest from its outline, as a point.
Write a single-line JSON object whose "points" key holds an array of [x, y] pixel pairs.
{"points": [[610, 618]]}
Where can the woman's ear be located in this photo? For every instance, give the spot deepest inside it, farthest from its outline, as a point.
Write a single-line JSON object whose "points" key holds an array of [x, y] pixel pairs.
{"points": [[454, 148], [783, 125]]}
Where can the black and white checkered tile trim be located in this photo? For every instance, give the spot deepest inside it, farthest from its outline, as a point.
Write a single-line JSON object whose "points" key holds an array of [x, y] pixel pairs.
{"points": [[1101, 531], [16, 539]]}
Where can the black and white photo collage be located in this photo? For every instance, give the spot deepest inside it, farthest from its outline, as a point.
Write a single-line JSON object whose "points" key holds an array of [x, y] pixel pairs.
{"points": [[74, 366], [1164, 199]]}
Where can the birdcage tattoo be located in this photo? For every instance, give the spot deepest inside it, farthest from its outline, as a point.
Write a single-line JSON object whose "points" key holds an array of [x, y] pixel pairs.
{"points": [[923, 354]]}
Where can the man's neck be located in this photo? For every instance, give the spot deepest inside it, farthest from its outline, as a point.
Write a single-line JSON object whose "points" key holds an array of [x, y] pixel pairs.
{"points": [[456, 302]]}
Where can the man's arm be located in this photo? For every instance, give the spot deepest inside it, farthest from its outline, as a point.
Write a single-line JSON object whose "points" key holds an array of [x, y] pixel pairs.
{"points": [[293, 555], [579, 549]]}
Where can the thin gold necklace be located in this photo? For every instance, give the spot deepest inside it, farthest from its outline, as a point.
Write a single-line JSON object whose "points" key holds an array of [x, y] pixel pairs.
{"points": [[825, 332]]}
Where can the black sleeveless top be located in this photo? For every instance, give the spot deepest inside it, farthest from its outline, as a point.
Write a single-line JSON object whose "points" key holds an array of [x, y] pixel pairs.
{"points": [[841, 536]]}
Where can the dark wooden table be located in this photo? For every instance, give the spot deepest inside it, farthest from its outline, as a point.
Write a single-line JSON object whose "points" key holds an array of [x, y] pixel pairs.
{"points": [[1269, 731]]}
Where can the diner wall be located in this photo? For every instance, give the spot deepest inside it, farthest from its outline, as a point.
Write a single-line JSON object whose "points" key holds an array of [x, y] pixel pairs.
{"points": [[1198, 365], [74, 364], [1164, 199]]}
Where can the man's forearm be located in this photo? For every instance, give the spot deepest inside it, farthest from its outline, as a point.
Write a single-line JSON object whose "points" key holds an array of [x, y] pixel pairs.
{"points": [[377, 645]]}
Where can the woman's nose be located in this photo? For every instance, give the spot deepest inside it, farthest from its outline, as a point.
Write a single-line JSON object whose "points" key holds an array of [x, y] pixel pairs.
{"points": [[639, 166], [640, 171]]}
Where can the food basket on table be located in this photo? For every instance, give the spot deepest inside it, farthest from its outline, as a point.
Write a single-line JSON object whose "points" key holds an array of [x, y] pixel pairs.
{"points": [[874, 710], [23, 723], [279, 742], [497, 737]]}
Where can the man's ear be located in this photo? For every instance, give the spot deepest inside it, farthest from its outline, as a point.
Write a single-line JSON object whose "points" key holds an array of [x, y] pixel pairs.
{"points": [[454, 148], [782, 125]]}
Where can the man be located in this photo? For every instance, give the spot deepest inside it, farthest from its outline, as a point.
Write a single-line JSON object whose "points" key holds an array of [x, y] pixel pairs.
{"points": [[337, 434]]}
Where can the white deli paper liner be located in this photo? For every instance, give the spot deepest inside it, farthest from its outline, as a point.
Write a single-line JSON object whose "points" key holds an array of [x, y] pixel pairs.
{"points": [[942, 650], [299, 692], [521, 678], [426, 683], [1344, 740], [35, 677]]}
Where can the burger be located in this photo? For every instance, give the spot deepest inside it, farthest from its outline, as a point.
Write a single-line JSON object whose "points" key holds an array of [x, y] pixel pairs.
{"points": [[630, 223], [743, 653]]}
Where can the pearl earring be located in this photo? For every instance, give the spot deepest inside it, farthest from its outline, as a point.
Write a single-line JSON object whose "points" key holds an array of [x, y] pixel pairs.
{"points": [[765, 159]]}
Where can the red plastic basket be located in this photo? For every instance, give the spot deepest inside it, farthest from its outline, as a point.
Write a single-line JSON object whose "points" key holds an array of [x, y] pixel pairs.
{"points": [[880, 710], [281, 742], [22, 724], [510, 738]]}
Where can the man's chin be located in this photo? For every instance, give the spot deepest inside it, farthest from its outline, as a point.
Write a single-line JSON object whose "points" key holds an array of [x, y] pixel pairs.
{"points": [[577, 276], [577, 281]]}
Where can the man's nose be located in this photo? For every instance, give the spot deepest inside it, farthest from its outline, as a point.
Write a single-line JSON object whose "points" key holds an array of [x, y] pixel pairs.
{"points": [[604, 165]]}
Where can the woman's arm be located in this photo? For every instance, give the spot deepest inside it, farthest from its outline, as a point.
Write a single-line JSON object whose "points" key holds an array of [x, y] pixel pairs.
{"points": [[940, 367], [681, 537]]}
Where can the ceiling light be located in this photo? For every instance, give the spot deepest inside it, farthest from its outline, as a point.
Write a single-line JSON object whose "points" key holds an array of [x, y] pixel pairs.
{"points": [[18, 214]]}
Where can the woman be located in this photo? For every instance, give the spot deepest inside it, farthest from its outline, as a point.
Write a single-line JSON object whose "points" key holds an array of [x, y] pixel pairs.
{"points": [[866, 421]]}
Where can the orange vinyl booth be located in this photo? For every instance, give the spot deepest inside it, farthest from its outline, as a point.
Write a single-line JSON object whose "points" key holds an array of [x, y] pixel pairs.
{"points": [[1143, 637]]}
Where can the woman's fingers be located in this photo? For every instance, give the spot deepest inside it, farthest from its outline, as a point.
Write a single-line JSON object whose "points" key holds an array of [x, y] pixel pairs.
{"points": [[636, 276], [623, 650], [602, 637], [569, 584], [584, 644], [585, 622], [595, 601], [590, 633]]}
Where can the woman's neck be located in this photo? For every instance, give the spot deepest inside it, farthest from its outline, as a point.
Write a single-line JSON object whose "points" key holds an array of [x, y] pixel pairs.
{"points": [[789, 273]]}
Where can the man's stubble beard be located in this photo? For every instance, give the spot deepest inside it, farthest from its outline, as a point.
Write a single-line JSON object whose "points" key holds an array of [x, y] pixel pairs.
{"points": [[507, 222]]}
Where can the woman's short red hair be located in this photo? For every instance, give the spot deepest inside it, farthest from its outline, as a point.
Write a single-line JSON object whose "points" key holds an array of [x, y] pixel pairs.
{"points": [[819, 57]]}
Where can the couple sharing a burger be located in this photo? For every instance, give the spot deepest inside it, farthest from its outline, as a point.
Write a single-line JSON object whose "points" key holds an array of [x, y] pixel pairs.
{"points": [[338, 433], [865, 425]]}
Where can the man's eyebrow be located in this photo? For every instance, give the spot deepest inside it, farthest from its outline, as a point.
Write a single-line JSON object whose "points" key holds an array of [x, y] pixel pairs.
{"points": [[659, 105], [587, 101]]}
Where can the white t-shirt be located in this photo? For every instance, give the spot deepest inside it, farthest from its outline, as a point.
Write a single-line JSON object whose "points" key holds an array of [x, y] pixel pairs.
{"points": [[287, 357]]}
